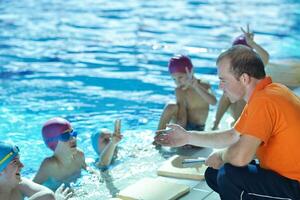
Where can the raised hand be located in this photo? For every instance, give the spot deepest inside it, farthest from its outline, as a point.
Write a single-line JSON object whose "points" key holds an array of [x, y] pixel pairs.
{"points": [[117, 130], [117, 137], [249, 36]]}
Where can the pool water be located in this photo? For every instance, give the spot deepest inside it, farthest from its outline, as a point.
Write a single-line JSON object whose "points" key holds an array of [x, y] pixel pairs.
{"points": [[92, 62]]}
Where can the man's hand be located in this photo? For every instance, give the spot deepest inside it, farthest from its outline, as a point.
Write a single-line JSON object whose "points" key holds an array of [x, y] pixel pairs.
{"points": [[63, 193], [175, 137], [214, 160]]}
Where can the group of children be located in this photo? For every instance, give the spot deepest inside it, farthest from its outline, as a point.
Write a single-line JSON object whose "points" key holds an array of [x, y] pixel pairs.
{"points": [[59, 170], [193, 98]]}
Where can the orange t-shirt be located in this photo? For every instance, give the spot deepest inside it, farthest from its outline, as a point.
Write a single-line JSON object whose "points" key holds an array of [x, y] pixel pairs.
{"points": [[273, 115]]}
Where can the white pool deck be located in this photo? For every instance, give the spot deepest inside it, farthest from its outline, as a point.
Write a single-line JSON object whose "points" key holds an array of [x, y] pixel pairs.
{"points": [[199, 190]]}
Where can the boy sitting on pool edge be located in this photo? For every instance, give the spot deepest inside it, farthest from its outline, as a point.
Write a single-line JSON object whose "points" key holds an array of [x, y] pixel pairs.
{"points": [[193, 97]]}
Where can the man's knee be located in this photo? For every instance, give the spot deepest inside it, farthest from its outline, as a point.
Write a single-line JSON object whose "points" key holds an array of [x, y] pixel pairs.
{"points": [[230, 175], [210, 173], [211, 178]]}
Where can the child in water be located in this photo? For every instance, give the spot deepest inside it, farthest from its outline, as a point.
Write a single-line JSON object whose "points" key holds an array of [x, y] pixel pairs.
{"points": [[105, 145], [65, 165], [14, 186]]}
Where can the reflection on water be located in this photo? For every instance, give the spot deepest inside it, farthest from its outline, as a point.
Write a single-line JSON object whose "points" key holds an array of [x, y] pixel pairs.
{"points": [[108, 180]]}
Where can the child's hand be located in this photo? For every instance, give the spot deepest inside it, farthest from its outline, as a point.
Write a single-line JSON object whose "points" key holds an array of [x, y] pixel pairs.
{"points": [[106, 136], [191, 81], [63, 193], [116, 138], [117, 127], [249, 36]]}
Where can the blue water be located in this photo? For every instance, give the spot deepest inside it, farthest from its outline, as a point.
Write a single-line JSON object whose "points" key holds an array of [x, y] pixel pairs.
{"points": [[95, 61]]}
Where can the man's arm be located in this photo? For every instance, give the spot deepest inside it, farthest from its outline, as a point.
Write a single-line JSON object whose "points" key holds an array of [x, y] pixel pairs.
{"points": [[242, 152], [177, 137], [223, 106], [238, 154], [213, 139], [35, 191]]}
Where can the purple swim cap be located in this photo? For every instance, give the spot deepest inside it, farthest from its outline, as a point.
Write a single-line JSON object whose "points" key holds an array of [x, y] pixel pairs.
{"points": [[241, 39], [53, 128], [177, 64]]}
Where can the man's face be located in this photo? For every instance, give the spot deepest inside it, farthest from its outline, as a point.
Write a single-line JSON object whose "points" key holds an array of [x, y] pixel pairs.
{"points": [[232, 87], [180, 79], [11, 173]]}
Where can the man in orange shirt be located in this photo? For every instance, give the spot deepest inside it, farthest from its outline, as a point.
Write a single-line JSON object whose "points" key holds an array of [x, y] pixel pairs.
{"points": [[267, 129]]}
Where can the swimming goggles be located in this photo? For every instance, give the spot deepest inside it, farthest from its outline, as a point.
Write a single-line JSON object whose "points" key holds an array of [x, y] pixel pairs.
{"points": [[64, 137], [14, 151]]}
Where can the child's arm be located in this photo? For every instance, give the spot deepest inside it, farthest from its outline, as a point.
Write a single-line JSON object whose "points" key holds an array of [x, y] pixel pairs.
{"points": [[204, 91], [43, 173], [35, 191], [181, 118], [85, 166], [260, 50], [224, 104], [108, 152]]}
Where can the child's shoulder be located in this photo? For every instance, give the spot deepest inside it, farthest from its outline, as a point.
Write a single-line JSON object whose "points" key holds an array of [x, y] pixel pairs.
{"points": [[49, 162]]}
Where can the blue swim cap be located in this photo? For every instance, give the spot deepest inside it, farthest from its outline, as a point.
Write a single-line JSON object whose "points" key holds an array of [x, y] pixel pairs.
{"points": [[7, 153], [95, 139]]}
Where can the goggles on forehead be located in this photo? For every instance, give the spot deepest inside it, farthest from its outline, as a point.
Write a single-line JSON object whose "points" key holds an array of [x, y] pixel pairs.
{"points": [[64, 137], [14, 151]]}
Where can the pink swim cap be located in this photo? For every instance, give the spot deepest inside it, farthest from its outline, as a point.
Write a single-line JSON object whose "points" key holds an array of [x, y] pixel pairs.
{"points": [[52, 129], [241, 39], [177, 64]]}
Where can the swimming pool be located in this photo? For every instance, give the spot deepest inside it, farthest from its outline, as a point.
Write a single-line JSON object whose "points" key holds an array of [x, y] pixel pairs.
{"points": [[96, 61]]}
